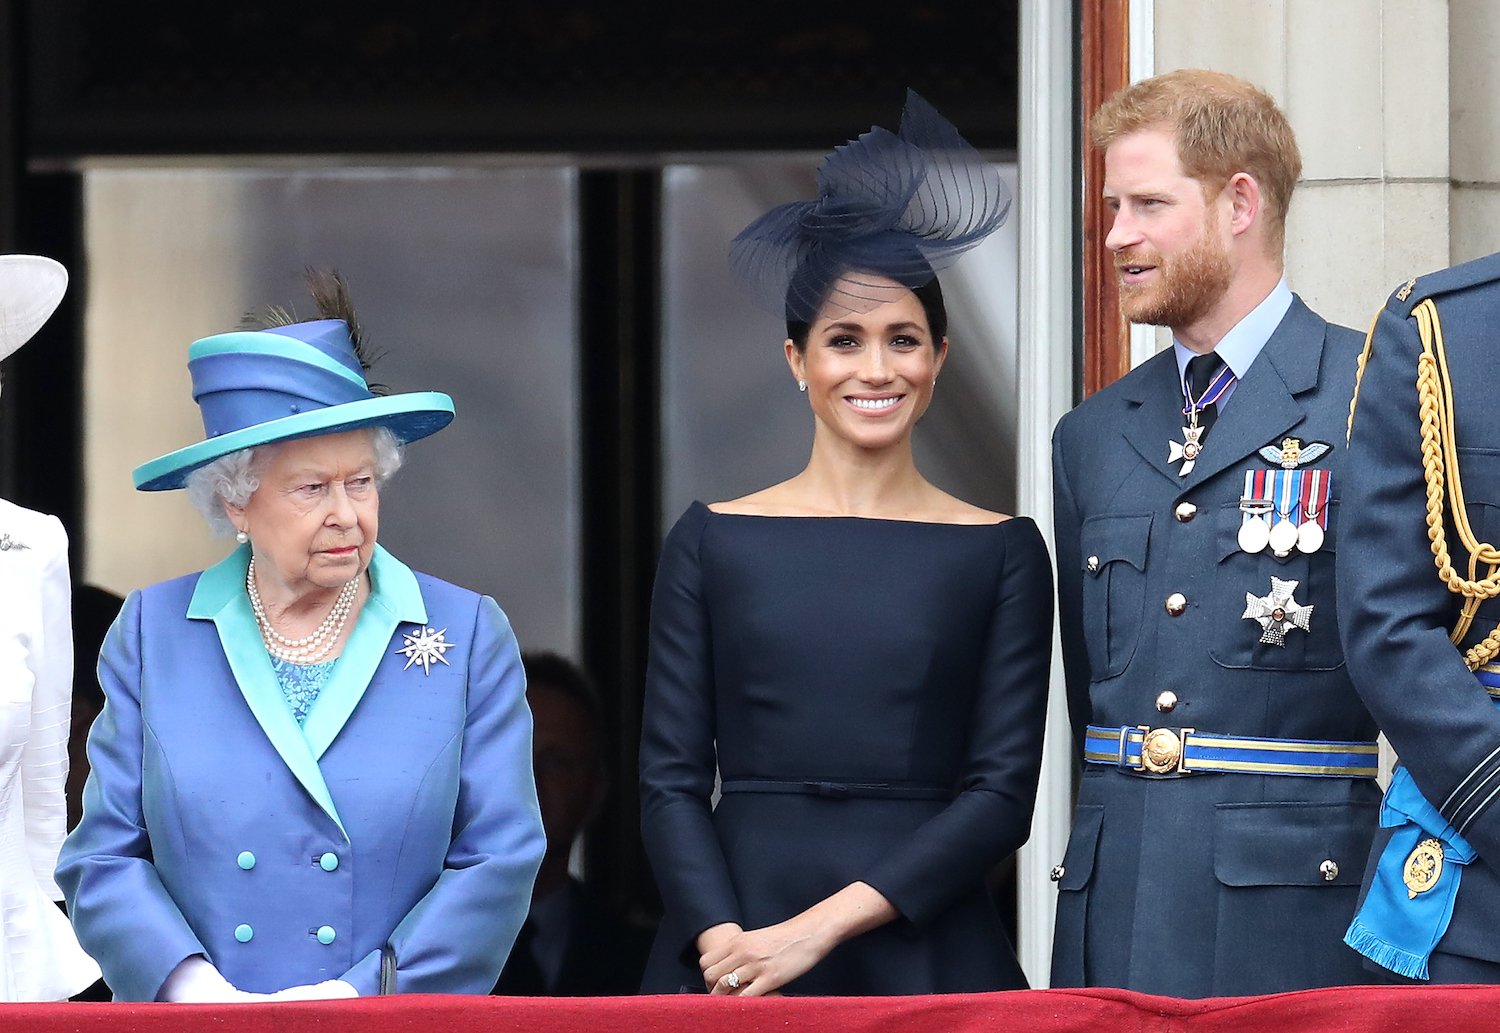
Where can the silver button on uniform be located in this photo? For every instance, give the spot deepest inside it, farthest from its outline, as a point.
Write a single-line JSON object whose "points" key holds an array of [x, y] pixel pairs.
{"points": [[1184, 512], [1166, 702], [1329, 870], [1176, 604], [1093, 564]]}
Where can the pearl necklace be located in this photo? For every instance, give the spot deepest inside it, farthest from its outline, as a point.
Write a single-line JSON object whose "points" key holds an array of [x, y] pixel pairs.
{"points": [[311, 648]]}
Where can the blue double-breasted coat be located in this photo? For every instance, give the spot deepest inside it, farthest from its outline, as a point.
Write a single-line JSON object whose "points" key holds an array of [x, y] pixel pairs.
{"points": [[1208, 884], [403, 813]]}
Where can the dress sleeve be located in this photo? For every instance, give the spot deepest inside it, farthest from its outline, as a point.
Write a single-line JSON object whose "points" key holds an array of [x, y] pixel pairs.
{"points": [[457, 937], [1065, 538], [44, 760], [990, 817], [678, 758], [1395, 615], [123, 915]]}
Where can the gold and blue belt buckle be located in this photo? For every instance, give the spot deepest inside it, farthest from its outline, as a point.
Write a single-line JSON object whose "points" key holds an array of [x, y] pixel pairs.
{"points": [[1177, 752], [1152, 751], [1162, 750]]}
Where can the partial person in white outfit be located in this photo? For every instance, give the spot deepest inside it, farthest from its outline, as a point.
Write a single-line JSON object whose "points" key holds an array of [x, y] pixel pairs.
{"points": [[40, 959]]}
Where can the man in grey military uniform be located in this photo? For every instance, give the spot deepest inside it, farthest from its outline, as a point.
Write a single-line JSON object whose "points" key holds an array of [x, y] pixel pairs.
{"points": [[1228, 796], [1417, 576]]}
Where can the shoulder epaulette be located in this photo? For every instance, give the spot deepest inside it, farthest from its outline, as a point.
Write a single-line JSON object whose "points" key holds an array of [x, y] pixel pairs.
{"points": [[1444, 281]]}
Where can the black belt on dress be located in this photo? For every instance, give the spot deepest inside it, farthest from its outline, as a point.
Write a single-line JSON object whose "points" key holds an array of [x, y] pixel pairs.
{"points": [[837, 790]]}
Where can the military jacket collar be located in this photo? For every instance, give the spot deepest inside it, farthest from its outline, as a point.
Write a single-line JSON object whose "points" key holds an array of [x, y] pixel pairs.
{"points": [[220, 597], [1264, 405]]}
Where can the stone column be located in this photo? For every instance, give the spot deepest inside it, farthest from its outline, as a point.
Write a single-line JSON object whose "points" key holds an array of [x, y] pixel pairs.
{"points": [[1474, 148], [1365, 84]]}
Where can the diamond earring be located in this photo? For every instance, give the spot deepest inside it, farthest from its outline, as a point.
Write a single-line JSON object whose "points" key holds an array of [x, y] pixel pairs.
{"points": [[801, 384]]}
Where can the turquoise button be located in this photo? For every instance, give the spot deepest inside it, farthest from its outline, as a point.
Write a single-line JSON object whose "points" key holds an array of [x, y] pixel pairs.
{"points": [[246, 860], [244, 933], [326, 934], [328, 862]]}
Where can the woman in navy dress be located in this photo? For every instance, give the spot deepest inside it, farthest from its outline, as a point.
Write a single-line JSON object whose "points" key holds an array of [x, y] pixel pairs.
{"points": [[861, 658]]}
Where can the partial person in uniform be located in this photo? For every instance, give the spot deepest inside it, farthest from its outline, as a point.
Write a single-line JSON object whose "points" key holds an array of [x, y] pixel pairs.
{"points": [[572, 944], [94, 610], [1228, 791], [312, 774], [40, 959], [1418, 578], [861, 657]]}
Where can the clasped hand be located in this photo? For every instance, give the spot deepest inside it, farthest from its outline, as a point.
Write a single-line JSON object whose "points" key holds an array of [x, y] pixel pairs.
{"points": [[196, 981], [761, 960]]}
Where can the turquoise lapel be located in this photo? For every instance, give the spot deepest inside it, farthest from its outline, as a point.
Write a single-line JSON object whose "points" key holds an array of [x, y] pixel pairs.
{"points": [[394, 599], [220, 597]]}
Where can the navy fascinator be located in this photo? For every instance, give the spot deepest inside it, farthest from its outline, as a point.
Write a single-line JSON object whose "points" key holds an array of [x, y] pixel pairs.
{"points": [[890, 207]]}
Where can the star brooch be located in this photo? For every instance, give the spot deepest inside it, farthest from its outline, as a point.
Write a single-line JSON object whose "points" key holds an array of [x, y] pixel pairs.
{"points": [[1277, 613], [8, 544], [424, 647]]}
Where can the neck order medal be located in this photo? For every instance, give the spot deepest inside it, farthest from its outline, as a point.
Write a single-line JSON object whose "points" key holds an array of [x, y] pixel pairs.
{"points": [[1191, 446], [1187, 450]]}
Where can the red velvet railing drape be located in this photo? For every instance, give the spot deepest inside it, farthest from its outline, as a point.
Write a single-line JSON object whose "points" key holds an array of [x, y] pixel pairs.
{"points": [[1383, 1009]]}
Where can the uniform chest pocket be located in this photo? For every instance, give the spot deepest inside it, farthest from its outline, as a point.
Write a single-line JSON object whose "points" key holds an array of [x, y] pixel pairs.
{"points": [[1114, 589], [1480, 470], [1239, 577]]}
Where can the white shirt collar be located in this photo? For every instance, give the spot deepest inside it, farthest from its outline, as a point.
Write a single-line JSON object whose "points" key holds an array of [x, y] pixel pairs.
{"points": [[1244, 341]]}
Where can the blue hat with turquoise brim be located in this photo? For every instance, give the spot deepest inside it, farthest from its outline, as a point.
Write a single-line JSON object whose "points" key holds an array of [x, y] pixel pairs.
{"points": [[257, 387]]}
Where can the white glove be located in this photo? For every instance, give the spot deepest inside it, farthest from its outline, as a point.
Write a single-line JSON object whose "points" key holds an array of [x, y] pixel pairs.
{"points": [[196, 981], [328, 990]]}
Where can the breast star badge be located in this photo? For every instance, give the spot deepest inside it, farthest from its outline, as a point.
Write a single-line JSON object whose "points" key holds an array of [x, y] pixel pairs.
{"points": [[424, 647], [1277, 613]]}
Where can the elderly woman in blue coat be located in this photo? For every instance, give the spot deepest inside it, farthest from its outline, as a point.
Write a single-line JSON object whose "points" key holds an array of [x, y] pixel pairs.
{"points": [[312, 775]]}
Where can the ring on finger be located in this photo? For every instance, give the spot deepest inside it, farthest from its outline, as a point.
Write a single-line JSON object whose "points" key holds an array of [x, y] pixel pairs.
{"points": [[732, 980]]}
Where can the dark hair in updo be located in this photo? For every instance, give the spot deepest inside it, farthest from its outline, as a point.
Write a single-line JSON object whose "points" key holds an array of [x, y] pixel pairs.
{"points": [[929, 294]]}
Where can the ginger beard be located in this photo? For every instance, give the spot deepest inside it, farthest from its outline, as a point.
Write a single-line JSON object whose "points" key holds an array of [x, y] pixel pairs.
{"points": [[1186, 286]]}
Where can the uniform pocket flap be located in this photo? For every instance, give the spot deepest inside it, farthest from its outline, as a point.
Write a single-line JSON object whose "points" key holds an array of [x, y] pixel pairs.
{"points": [[1114, 539], [1292, 844], [1078, 862]]}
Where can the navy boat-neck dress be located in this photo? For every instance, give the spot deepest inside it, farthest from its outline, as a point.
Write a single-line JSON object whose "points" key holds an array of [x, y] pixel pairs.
{"points": [[872, 694]]}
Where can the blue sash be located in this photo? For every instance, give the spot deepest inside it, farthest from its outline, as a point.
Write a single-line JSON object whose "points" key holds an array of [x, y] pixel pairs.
{"points": [[1394, 929], [1398, 926]]}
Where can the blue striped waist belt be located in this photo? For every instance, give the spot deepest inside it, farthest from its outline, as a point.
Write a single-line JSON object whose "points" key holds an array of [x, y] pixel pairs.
{"points": [[838, 790], [1174, 752]]}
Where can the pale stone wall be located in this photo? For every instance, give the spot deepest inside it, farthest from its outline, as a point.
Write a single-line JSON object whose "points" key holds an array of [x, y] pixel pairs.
{"points": [[137, 394], [1366, 86], [1474, 84]]}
